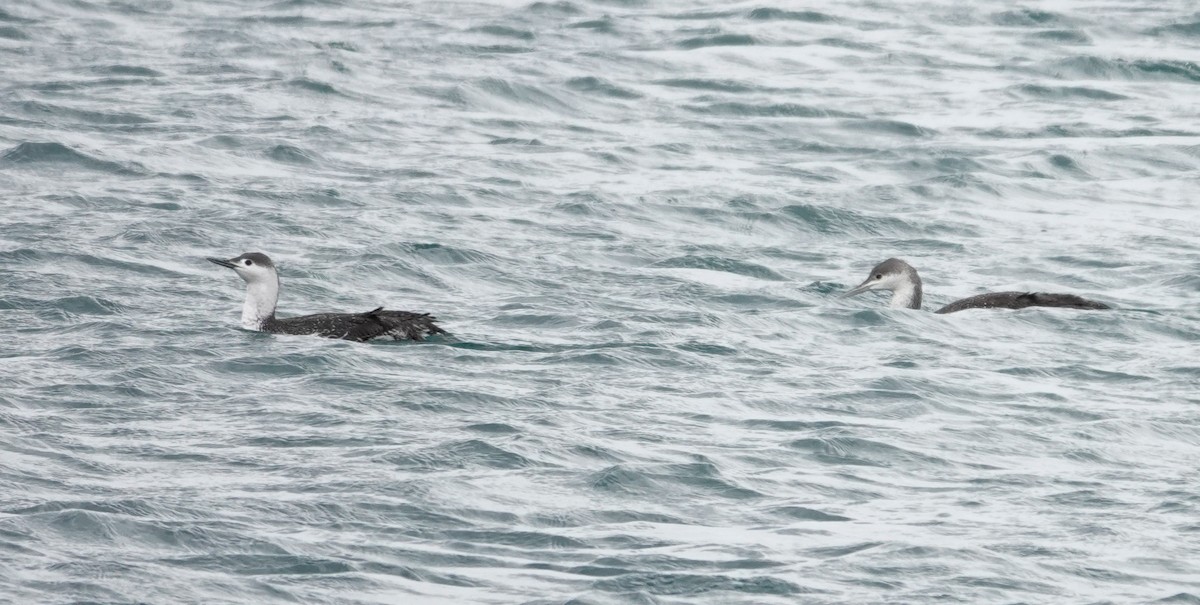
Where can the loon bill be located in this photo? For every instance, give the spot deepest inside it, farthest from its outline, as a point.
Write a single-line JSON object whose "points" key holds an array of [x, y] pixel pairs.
{"points": [[902, 279], [262, 294]]}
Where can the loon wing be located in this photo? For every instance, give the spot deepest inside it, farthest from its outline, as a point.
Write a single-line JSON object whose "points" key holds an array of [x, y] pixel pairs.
{"points": [[1020, 300], [360, 327], [403, 325]]}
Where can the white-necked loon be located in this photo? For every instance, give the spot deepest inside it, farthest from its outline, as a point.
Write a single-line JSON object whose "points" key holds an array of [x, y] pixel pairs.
{"points": [[902, 279], [262, 294]]}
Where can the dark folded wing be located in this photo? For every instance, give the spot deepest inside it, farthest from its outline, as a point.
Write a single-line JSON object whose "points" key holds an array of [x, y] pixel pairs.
{"points": [[398, 325], [1021, 300], [406, 325]]}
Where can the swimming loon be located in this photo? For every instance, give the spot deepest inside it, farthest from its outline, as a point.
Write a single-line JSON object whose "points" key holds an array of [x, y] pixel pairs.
{"points": [[262, 293], [902, 279]]}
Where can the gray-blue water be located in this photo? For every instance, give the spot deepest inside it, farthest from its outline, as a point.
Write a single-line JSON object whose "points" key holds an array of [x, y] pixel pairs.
{"points": [[635, 218]]}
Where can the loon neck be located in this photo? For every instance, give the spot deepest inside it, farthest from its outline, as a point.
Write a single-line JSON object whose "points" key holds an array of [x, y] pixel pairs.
{"points": [[907, 295], [259, 308]]}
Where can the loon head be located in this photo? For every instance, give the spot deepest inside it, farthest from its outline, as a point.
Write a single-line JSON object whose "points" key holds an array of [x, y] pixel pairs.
{"points": [[897, 276], [253, 267], [262, 287]]}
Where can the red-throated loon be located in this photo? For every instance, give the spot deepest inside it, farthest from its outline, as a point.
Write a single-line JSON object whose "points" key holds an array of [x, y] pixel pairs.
{"points": [[262, 293], [902, 279]]}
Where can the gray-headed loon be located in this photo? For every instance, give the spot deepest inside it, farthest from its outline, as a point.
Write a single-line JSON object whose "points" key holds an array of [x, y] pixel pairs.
{"points": [[262, 294], [902, 279]]}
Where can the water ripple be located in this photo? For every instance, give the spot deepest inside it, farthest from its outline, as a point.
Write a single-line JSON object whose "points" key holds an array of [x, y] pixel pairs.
{"points": [[636, 220]]}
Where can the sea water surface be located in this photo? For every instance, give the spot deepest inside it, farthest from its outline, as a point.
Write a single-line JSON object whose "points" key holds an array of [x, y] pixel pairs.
{"points": [[635, 217]]}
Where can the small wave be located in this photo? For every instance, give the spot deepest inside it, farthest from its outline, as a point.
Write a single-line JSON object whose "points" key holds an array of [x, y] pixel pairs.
{"points": [[515, 141], [222, 141], [1067, 92], [11, 18], [540, 320], [862, 452], [716, 263], [84, 305], [493, 428], [561, 8], [706, 348], [1065, 162], [471, 453], [699, 15], [1081, 130], [680, 584], [935, 188], [778, 14], [1063, 36], [503, 32], [58, 154], [496, 49], [289, 154], [448, 255], [828, 220], [848, 44], [127, 70], [1027, 18], [523, 539], [264, 565], [1091, 262], [619, 478], [1181, 598], [1119, 69], [601, 87], [775, 110], [487, 91], [9, 32], [280, 19], [833, 552], [802, 513], [323, 198], [1078, 371], [275, 366], [292, 4], [896, 127], [1187, 30], [11, 121], [313, 86], [717, 40], [604, 25], [691, 478], [586, 203], [702, 84], [93, 117], [794, 425]]}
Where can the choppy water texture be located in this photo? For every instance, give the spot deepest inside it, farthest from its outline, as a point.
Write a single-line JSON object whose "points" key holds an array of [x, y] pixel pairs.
{"points": [[635, 217]]}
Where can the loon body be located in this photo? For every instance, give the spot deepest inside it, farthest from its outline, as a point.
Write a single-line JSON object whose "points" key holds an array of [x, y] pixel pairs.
{"points": [[262, 294], [902, 279]]}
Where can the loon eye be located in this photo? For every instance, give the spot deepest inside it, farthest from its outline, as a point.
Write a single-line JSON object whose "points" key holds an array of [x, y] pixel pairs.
{"points": [[249, 262], [877, 275]]}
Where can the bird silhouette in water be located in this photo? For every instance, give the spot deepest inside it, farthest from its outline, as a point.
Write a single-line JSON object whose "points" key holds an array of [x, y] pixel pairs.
{"points": [[902, 280], [262, 294]]}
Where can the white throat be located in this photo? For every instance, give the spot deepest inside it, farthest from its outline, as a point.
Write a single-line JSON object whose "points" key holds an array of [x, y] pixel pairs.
{"points": [[261, 297], [906, 292], [905, 296]]}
